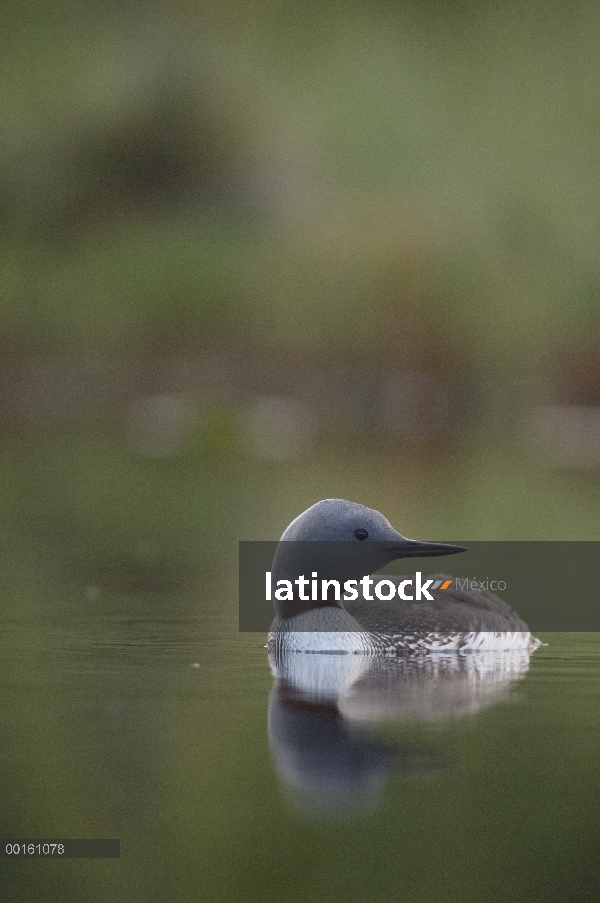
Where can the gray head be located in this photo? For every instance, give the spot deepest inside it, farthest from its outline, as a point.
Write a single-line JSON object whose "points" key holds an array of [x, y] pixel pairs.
{"points": [[338, 520], [341, 540]]}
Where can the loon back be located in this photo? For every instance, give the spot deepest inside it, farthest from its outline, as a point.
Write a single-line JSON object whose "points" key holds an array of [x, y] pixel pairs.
{"points": [[455, 619]]}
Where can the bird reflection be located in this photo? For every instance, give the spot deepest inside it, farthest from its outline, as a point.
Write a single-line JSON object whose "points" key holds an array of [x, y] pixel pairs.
{"points": [[329, 760]]}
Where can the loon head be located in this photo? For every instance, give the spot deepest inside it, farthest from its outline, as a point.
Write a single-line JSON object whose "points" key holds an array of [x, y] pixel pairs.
{"points": [[337, 520], [367, 542]]}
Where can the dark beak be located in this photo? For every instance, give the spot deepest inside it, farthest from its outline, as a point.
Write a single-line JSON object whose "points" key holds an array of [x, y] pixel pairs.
{"points": [[414, 548]]}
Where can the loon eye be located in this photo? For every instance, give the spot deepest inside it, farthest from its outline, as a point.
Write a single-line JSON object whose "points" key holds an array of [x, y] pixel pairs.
{"points": [[361, 534]]}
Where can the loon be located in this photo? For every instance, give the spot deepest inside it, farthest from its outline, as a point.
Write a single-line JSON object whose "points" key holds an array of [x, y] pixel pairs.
{"points": [[456, 620]]}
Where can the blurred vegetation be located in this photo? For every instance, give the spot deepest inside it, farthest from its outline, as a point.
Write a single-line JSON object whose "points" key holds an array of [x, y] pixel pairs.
{"points": [[300, 178]]}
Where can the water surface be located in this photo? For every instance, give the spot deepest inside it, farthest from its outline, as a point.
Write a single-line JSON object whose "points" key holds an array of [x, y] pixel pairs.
{"points": [[154, 730]]}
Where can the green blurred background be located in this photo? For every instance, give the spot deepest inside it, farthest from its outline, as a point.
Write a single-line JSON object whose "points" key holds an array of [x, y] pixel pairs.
{"points": [[254, 254], [257, 253]]}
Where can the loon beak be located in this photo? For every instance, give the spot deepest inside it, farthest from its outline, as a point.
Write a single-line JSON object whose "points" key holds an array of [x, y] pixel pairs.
{"points": [[414, 548]]}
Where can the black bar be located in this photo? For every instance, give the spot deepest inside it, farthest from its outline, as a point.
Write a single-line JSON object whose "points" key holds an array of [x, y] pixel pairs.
{"points": [[60, 849]]}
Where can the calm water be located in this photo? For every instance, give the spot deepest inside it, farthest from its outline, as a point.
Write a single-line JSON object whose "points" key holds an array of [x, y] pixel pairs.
{"points": [[131, 706], [155, 731]]}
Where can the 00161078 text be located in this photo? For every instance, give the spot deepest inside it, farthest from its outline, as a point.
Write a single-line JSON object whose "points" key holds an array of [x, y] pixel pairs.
{"points": [[34, 849]]}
